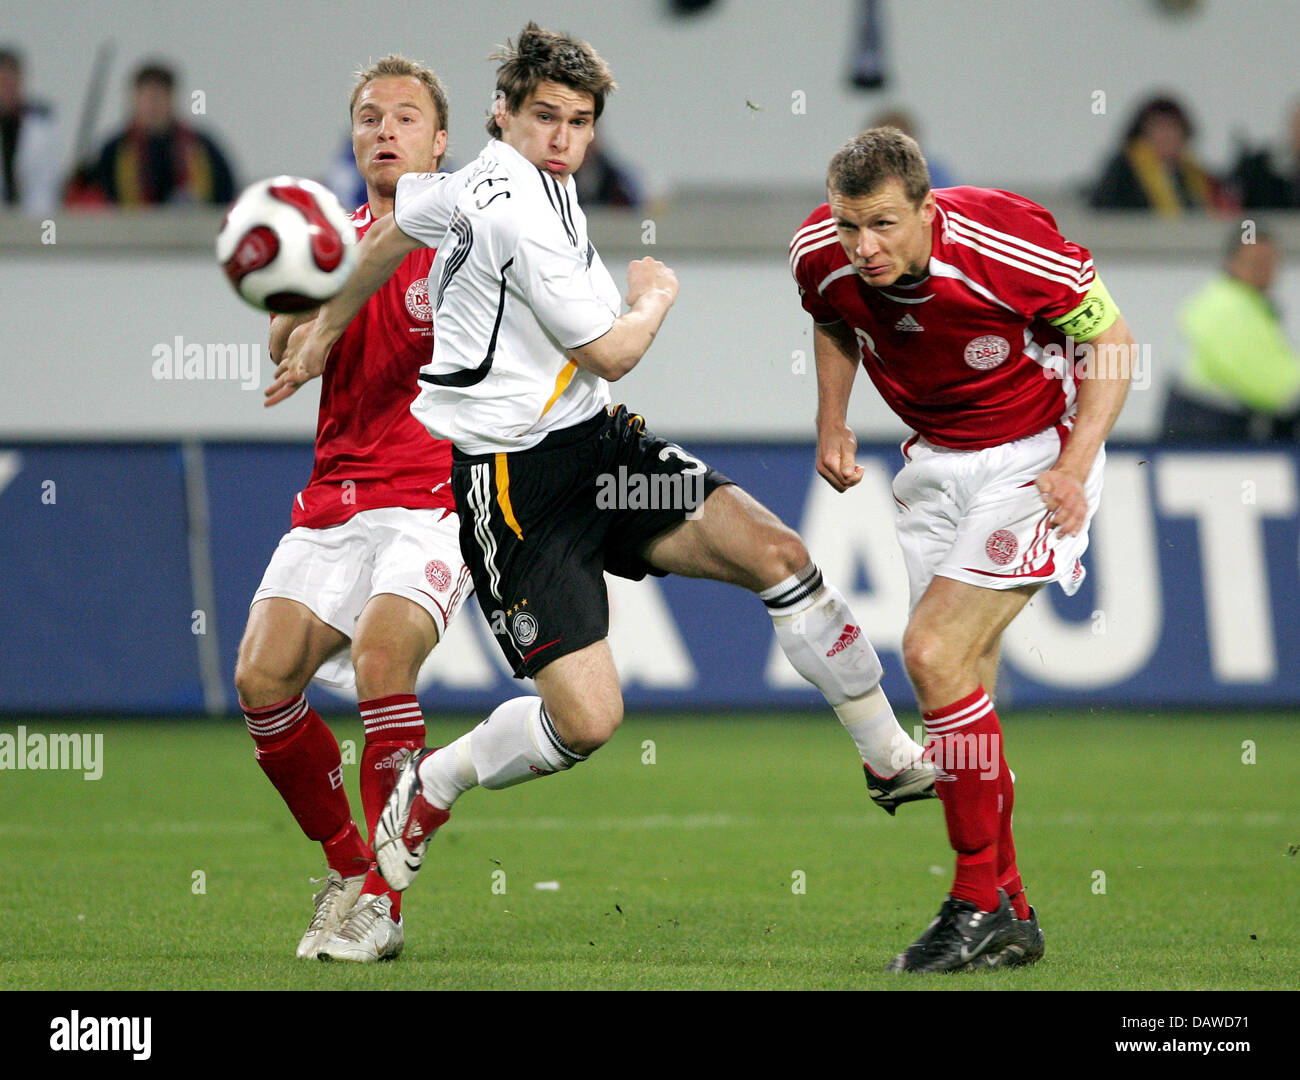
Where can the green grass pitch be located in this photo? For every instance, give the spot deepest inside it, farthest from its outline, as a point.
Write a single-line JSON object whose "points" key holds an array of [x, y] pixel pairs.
{"points": [[745, 856]]}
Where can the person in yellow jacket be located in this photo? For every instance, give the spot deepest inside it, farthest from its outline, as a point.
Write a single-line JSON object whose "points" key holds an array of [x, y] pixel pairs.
{"points": [[1243, 378]]}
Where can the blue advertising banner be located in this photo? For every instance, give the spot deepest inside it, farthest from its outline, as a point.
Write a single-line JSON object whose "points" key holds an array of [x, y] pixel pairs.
{"points": [[1192, 596], [96, 602]]}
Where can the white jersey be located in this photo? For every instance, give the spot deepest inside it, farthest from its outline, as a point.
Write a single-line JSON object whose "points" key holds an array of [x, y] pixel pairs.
{"points": [[518, 286]]}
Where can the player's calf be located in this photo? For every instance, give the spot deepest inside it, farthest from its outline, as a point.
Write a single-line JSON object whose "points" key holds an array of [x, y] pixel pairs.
{"points": [[825, 643]]}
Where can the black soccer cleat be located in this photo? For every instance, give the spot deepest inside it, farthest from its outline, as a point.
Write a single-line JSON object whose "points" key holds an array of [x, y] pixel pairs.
{"points": [[1026, 945], [957, 937], [908, 785]]}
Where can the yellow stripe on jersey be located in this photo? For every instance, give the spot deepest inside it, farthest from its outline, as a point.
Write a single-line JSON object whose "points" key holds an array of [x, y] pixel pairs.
{"points": [[1094, 316], [561, 384], [503, 495]]}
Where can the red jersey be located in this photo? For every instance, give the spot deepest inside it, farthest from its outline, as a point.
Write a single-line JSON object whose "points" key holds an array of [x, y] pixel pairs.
{"points": [[959, 355], [370, 451]]}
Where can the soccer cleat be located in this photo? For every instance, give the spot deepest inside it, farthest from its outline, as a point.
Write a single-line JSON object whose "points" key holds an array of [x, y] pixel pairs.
{"points": [[1026, 946], [332, 904], [368, 933], [916, 782], [405, 825], [959, 934]]}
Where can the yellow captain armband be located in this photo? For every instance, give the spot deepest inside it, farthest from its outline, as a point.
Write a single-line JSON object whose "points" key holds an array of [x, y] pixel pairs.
{"points": [[1094, 316]]}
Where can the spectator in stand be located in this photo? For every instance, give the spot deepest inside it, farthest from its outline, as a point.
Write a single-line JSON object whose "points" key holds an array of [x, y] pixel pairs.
{"points": [[29, 158], [604, 181], [940, 175], [1243, 379], [159, 160], [1156, 169], [1268, 181]]}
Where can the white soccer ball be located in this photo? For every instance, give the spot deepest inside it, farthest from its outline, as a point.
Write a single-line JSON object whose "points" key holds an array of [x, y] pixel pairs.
{"points": [[286, 244]]}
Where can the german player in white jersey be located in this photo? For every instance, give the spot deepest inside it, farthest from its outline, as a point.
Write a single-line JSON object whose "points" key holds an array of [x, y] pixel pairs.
{"points": [[360, 589], [527, 337], [992, 336]]}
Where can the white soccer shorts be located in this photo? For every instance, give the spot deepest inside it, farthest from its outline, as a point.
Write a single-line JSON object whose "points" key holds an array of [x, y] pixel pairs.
{"points": [[977, 516], [335, 571]]}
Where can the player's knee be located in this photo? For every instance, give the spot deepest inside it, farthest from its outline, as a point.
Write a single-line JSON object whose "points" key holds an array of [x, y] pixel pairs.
{"points": [[784, 554], [587, 730], [382, 670], [261, 680], [257, 687], [927, 658]]}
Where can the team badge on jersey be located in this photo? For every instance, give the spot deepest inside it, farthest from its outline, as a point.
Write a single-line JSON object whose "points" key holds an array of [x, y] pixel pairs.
{"points": [[987, 351], [1001, 547], [417, 301], [524, 628], [438, 574]]}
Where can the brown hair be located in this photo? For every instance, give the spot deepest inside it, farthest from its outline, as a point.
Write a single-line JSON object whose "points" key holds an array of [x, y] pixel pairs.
{"points": [[873, 158], [544, 56], [396, 65]]}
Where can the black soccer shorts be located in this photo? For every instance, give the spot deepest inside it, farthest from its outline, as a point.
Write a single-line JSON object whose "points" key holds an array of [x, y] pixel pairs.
{"points": [[539, 527]]}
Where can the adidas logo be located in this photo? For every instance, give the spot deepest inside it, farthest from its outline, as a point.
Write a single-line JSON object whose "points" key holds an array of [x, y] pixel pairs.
{"points": [[908, 323], [850, 634]]}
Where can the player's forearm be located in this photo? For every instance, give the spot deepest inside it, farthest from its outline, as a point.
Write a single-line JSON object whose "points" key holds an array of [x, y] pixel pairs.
{"points": [[380, 252], [1102, 388], [619, 350], [836, 370]]}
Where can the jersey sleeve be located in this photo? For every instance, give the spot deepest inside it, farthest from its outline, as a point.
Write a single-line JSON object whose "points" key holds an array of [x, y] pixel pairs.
{"points": [[556, 279], [804, 263], [424, 202], [1030, 264]]}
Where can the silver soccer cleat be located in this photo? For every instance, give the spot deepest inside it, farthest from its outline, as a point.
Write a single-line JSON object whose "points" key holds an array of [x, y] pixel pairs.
{"points": [[368, 934], [332, 903]]}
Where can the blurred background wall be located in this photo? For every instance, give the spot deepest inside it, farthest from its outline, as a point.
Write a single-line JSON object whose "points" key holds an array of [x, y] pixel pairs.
{"points": [[724, 122]]}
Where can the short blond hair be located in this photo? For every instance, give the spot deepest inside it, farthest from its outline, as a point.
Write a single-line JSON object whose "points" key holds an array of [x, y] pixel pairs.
{"points": [[874, 158], [396, 65]]}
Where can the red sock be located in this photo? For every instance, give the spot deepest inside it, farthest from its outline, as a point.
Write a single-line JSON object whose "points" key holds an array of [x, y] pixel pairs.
{"points": [[1008, 874], [300, 756], [966, 748], [394, 724]]}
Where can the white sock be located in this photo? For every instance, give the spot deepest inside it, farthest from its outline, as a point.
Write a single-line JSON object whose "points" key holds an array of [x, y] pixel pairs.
{"points": [[824, 642], [517, 742], [886, 749], [821, 637]]}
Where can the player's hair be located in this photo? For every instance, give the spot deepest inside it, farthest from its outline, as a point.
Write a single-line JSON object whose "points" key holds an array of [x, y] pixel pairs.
{"points": [[539, 56], [876, 156], [394, 64]]}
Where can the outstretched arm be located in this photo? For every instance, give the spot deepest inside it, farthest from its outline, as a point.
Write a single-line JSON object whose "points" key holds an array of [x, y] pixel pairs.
{"points": [[835, 352], [379, 254]]}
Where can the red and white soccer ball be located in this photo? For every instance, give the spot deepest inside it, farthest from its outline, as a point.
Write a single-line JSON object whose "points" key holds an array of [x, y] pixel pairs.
{"points": [[286, 244]]}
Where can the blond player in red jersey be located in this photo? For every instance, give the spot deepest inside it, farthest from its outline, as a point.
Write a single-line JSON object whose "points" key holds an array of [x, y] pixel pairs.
{"points": [[992, 337], [359, 591]]}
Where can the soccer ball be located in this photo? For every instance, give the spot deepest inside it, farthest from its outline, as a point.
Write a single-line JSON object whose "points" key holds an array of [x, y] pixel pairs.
{"points": [[286, 244]]}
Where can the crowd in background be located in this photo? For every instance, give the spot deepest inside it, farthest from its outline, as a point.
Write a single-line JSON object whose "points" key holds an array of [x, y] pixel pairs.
{"points": [[1241, 379]]}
